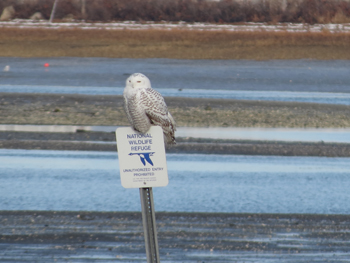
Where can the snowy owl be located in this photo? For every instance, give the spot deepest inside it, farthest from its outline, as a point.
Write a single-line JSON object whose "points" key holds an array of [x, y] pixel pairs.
{"points": [[145, 107]]}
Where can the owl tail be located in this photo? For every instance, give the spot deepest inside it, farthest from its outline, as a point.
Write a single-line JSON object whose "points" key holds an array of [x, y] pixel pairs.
{"points": [[169, 138], [170, 131]]}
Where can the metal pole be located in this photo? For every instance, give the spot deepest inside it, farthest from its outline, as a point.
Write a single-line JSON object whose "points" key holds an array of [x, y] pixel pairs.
{"points": [[53, 10], [149, 225]]}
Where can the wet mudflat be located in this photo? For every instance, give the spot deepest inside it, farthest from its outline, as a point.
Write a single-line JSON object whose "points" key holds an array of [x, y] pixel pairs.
{"points": [[70, 109], [36, 236]]}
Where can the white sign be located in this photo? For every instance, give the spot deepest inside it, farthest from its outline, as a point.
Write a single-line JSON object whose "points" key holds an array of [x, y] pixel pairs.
{"points": [[142, 159]]}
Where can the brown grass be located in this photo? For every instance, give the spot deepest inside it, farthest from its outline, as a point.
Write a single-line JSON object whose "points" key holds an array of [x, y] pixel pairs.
{"points": [[180, 44]]}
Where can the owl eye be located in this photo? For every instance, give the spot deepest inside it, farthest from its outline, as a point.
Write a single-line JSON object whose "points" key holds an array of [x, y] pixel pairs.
{"points": [[139, 81], [130, 81]]}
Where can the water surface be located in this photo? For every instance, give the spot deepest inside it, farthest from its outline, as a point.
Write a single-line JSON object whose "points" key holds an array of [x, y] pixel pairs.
{"points": [[68, 180], [314, 97], [286, 80]]}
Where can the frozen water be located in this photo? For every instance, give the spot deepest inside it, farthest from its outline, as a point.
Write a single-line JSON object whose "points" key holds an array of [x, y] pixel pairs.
{"points": [[68, 180], [290, 80]]}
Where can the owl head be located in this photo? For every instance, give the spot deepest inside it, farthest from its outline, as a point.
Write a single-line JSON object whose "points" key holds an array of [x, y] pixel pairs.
{"points": [[138, 81]]}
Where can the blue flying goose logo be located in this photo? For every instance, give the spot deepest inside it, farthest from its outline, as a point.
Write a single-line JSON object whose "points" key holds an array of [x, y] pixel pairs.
{"points": [[144, 157]]}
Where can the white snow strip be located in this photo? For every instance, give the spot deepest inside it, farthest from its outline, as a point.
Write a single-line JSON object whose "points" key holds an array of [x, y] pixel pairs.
{"points": [[133, 25]]}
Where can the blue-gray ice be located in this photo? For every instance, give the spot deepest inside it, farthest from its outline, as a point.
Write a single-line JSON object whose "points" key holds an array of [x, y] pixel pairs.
{"points": [[69, 180], [282, 80]]}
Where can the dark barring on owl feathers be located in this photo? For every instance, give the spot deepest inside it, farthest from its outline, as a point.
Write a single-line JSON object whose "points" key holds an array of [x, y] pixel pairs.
{"points": [[145, 106]]}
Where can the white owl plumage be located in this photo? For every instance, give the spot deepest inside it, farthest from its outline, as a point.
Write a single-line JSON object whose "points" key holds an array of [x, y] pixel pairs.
{"points": [[145, 106]]}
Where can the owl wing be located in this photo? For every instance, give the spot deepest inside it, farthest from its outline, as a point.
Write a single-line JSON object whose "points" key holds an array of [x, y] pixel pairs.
{"points": [[157, 112], [154, 106]]}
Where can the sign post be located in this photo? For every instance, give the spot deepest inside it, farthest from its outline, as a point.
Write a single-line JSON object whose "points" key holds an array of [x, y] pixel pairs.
{"points": [[149, 225], [142, 163]]}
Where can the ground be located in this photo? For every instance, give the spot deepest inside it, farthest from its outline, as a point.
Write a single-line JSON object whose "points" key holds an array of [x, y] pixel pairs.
{"points": [[34, 236]]}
